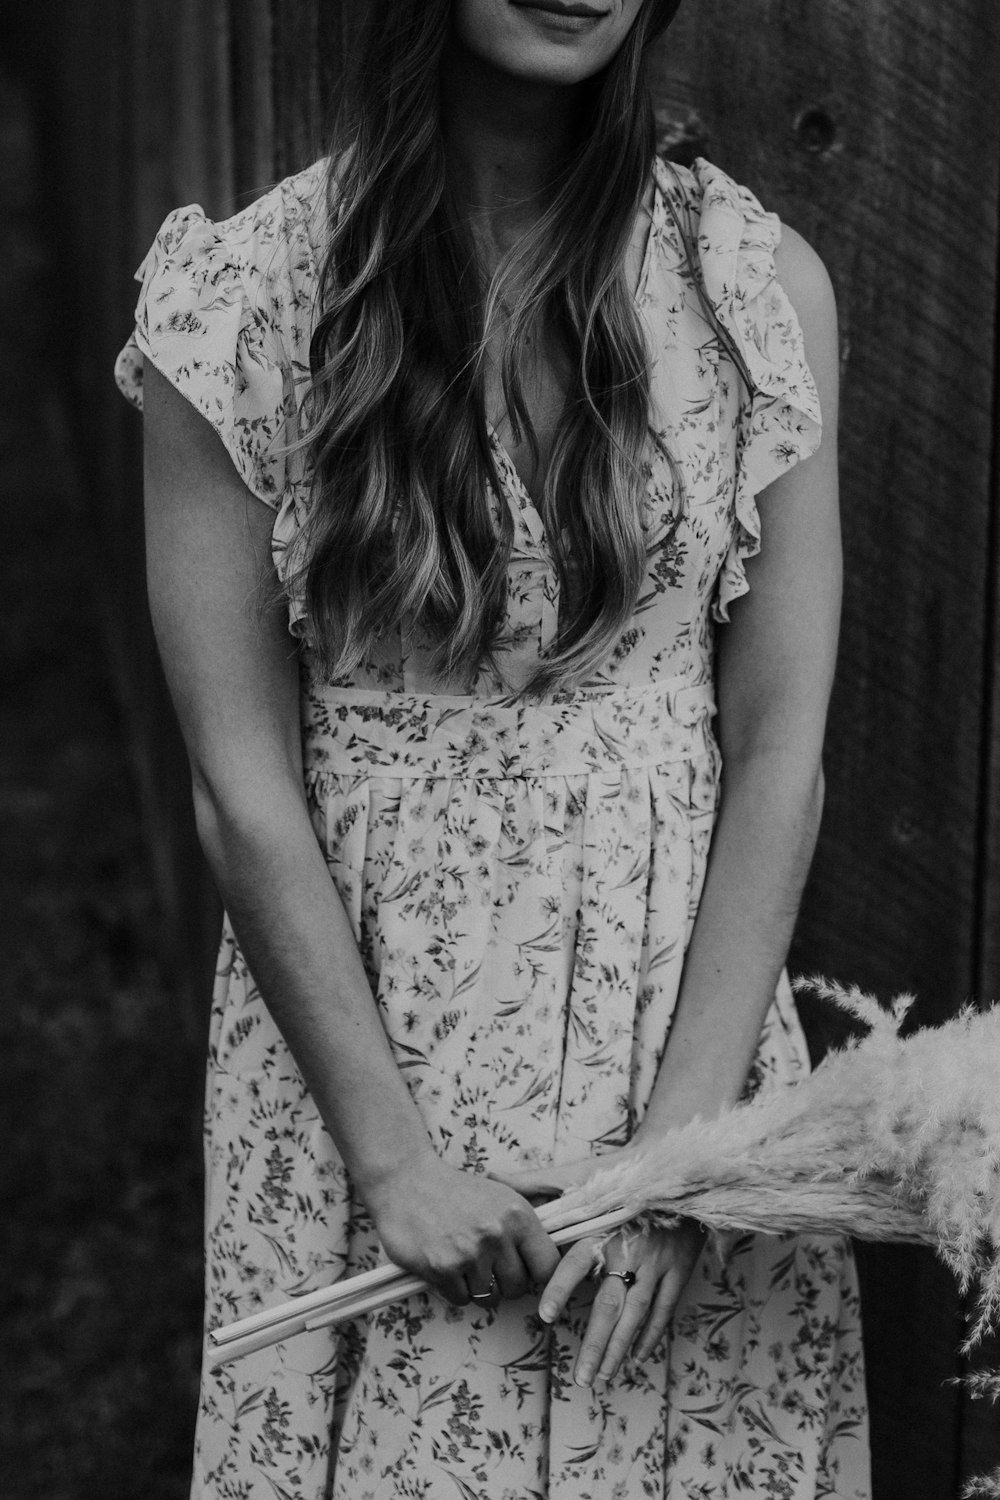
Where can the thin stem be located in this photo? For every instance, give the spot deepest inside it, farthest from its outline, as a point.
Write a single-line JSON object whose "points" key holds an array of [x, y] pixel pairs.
{"points": [[353, 1298]]}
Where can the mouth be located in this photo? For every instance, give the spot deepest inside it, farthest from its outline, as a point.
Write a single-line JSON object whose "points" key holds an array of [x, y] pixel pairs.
{"points": [[553, 7]]}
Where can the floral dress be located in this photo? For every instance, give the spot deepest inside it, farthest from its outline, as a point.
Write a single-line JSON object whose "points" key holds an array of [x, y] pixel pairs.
{"points": [[521, 880]]}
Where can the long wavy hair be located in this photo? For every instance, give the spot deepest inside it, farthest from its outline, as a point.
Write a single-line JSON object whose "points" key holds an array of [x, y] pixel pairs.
{"points": [[402, 529]]}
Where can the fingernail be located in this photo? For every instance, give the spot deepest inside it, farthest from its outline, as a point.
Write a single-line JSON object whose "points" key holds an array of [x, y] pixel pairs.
{"points": [[584, 1376], [601, 1384], [547, 1312]]}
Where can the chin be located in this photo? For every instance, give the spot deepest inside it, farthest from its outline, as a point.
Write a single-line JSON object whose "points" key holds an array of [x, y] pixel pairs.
{"points": [[564, 70], [541, 46]]}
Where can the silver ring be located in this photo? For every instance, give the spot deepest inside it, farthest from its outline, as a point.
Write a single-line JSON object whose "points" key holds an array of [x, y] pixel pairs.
{"points": [[628, 1277], [485, 1296]]}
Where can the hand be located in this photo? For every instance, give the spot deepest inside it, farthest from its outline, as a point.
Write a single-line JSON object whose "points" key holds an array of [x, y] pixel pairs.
{"points": [[662, 1260], [460, 1231]]}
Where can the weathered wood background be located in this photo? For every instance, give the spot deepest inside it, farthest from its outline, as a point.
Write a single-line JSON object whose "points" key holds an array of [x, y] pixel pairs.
{"points": [[875, 130]]}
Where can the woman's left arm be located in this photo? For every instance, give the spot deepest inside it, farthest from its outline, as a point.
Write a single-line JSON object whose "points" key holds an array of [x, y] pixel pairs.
{"points": [[774, 673]]}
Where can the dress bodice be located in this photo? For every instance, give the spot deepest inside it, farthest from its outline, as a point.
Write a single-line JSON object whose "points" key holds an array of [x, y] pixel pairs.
{"points": [[226, 312]]}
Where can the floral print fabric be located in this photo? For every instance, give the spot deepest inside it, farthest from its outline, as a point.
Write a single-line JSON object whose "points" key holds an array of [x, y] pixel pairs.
{"points": [[522, 880]]}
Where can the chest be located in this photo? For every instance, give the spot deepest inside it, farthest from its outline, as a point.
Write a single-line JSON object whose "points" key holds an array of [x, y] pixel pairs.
{"points": [[546, 380], [547, 376]]}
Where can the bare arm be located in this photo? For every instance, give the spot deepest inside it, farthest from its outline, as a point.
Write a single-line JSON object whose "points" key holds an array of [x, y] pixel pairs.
{"points": [[234, 681], [775, 670]]}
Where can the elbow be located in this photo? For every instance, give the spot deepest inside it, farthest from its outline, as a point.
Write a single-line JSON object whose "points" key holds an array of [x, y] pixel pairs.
{"points": [[804, 802], [206, 816], [815, 801], [238, 816], [787, 786], [805, 814], [212, 795]]}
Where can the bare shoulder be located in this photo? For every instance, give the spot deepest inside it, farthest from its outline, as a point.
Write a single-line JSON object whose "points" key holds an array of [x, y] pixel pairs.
{"points": [[804, 278]]}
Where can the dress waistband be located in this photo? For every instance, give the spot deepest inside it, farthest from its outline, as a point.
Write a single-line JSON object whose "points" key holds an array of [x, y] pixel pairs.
{"points": [[360, 731]]}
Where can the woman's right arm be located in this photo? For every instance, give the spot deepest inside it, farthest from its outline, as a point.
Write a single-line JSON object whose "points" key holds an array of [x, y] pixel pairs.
{"points": [[233, 677]]}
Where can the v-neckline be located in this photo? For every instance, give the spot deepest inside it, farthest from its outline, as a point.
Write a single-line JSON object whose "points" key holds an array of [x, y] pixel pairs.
{"points": [[527, 506]]}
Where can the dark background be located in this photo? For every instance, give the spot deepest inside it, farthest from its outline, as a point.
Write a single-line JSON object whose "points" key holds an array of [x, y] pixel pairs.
{"points": [[875, 131]]}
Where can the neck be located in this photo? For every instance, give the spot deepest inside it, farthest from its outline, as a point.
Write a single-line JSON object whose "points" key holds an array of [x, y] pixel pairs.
{"points": [[508, 140]]}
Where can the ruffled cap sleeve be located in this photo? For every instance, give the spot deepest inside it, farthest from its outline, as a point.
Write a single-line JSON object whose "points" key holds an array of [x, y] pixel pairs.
{"points": [[780, 422], [201, 320]]}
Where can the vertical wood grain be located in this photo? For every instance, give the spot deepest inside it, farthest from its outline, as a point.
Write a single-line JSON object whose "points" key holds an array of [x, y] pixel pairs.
{"points": [[875, 131], [337, 29], [980, 1419], [902, 205], [251, 53], [988, 851], [299, 106], [202, 136]]}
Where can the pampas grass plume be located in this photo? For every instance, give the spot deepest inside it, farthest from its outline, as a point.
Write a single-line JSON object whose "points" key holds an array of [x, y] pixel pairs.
{"points": [[888, 1139], [983, 1487]]}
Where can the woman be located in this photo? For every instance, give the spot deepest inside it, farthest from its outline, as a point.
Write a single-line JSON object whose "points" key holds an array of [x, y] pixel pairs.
{"points": [[554, 391]]}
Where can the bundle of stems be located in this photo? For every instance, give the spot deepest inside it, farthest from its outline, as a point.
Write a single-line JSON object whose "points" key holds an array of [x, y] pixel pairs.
{"points": [[357, 1295], [889, 1138]]}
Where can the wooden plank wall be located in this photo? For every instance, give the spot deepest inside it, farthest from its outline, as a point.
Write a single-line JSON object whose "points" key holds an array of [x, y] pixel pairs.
{"points": [[873, 129], [876, 131]]}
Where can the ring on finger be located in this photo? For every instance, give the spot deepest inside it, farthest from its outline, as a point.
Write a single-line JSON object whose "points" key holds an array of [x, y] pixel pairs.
{"points": [[485, 1296], [628, 1278]]}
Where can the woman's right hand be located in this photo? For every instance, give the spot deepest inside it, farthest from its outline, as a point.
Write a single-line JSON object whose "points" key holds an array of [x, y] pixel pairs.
{"points": [[459, 1230]]}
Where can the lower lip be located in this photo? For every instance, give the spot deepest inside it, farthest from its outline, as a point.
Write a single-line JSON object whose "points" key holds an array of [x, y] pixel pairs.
{"points": [[559, 17]]}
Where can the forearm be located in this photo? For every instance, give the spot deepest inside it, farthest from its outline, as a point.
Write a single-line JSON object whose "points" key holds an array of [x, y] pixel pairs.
{"points": [[761, 851], [298, 942], [774, 670]]}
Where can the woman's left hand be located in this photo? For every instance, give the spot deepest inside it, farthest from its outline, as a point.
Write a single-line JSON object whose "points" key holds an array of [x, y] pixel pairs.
{"points": [[621, 1316], [661, 1261]]}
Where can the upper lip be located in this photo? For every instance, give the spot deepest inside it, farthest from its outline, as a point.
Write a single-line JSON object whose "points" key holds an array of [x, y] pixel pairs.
{"points": [[575, 9]]}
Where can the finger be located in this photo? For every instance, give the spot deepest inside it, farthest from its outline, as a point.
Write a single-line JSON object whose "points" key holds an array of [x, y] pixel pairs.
{"points": [[638, 1302], [564, 1278], [457, 1281], [608, 1306], [482, 1279], [531, 1185], [538, 1250], [452, 1287], [513, 1277], [660, 1315]]}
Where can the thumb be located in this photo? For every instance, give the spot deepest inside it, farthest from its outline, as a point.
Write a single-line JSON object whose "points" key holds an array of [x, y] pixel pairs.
{"points": [[539, 1185]]}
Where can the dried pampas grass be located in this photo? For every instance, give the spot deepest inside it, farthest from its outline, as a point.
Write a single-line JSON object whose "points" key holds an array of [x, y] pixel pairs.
{"points": [[983, 1487], [982, 1385], [888, 1139]]}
